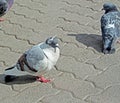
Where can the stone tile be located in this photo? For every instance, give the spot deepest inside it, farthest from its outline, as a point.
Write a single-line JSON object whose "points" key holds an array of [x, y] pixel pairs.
{"points": [[2, 66], [22, 10], [32, 4], [62, 97], [109, 95], [52, 74], [80, 70], [79, 88], [32, 94], [14, 44], [107, 78], [6, 91], [10, 58], [79, 54], [78, 2], [105, 61]]}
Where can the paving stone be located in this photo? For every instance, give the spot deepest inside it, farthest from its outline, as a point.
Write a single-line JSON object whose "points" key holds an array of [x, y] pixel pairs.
{"points": [[32, 94], [62, 97], [79, 88], [109, 95], [107, 78], [32, 4], [25, 34], [6, 91], [2, 66], [8, 57], [105, 61], [80, 54], [28, 13], [14, 44], [80, 70], [78, 2]]}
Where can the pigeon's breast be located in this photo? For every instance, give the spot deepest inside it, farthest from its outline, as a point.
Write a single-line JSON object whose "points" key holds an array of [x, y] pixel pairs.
{"points": [[52, 55]]}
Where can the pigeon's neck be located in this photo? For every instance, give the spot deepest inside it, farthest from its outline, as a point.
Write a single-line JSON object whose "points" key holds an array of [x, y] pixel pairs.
{"points": [[51, 55], [114, 10]]}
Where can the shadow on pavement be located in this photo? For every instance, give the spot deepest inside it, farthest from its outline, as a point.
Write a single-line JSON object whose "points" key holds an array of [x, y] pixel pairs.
{"points": [[18, 80], [90, 40]]}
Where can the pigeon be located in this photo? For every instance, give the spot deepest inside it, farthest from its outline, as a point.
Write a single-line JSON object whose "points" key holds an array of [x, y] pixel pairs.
{"points": [[5, 5], [36, 61], [110, 28]]}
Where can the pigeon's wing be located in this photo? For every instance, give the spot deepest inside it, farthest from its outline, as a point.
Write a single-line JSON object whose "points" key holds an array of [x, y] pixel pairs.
{"points": [[35, 57], [109, 27], [118, 23], [35, 60], [104, 22]]}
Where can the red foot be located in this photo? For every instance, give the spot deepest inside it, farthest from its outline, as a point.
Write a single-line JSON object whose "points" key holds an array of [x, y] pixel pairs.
{"points": [[42, 79], [1, 19]]}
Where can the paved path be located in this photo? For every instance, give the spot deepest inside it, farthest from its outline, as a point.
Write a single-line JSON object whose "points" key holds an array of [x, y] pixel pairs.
{"points": [[82, 75]]}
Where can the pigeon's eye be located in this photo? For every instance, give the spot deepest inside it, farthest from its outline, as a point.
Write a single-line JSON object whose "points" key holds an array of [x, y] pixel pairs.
{"points": [[50, 37]]}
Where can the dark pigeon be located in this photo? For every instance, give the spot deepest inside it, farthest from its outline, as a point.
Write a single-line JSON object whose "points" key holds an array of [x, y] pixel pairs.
{"points": [[110, 27], [5, 5]]}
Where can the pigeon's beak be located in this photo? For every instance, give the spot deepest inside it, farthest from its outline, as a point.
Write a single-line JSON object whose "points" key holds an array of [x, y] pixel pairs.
{"points": [[102, 9], [53, 37]]}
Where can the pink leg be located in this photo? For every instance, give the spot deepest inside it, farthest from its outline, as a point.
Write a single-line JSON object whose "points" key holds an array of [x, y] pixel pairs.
{"points": [[1, 19], [42, 79]]}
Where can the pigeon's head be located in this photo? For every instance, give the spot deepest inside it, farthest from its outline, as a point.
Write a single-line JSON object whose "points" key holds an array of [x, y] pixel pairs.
{"points": [[52, 41], [108, 44], [3, 6], [109, 7]]}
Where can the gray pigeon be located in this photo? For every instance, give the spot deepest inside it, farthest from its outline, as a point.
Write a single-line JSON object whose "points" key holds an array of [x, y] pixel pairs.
{"points": [[36, 61], [110, 27], [5, 5]]}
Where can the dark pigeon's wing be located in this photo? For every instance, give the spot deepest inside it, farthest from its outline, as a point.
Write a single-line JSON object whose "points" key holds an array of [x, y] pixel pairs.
{"points": [[34, 55], [118, 23], [103, 23], [110, 24]]}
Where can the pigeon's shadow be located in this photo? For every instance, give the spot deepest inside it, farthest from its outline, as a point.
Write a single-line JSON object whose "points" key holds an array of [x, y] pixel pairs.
{"points": [[90, 40], [18, 80]]}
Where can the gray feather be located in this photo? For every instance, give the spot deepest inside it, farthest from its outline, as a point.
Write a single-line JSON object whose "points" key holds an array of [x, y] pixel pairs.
{"points": [[34, 55]]}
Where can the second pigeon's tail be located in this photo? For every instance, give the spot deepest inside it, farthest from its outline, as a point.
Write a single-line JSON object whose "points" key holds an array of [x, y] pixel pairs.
{"points": [[13, 71]]}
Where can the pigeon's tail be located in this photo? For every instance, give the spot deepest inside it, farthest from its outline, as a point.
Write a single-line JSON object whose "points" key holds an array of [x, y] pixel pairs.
{"points": [[13, 71]]}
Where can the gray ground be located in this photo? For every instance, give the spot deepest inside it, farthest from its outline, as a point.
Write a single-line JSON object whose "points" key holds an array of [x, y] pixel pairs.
{"points": [[83, 74]]}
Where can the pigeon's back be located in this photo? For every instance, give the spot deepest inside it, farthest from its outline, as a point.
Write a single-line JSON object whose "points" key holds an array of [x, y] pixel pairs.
{"points": [[110, 24]]}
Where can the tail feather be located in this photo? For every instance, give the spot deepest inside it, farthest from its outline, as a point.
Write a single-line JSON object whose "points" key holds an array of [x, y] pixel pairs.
{"points": [[9, 68], [14, 71]]}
